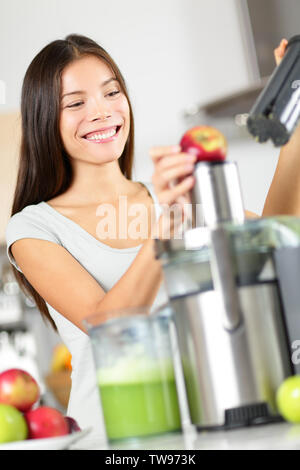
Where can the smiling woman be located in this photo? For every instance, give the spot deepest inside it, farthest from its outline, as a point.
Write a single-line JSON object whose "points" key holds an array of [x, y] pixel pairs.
{"points": [[76, 159]]}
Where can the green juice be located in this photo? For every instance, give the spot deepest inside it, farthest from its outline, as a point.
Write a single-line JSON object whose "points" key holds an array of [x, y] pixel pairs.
{"points": [[144, 403]]}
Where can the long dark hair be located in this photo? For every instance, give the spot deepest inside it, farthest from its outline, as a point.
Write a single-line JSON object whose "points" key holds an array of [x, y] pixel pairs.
{"points": [[44, 167]]}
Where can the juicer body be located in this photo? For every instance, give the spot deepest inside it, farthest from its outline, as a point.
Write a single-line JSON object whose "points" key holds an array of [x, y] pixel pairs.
{"points": [[231, 377], [235, 310]]}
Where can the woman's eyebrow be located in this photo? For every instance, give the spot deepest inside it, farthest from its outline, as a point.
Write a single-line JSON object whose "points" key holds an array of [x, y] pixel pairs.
{"points": [[80, 92]]}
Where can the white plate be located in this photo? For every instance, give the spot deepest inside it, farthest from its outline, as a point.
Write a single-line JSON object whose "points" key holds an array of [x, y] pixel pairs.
{"points": [[48, 443]]}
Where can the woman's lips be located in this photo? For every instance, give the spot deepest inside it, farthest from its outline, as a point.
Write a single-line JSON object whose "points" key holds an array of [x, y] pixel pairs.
{"points": [[104, 135]]}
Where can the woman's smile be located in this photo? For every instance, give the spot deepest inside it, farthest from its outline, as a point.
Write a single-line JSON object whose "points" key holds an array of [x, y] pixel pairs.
{"points": [[103, 135]]}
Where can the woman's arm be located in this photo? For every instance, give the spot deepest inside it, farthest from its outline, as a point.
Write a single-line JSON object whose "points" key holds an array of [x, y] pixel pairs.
{"points": [[66, 285], [284, 193]]}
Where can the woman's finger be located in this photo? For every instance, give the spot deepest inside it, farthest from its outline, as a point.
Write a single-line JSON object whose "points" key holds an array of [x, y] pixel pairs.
{"points": [[280, 51], [158, 152], [170, 195], [170, 161], [163, 178]]}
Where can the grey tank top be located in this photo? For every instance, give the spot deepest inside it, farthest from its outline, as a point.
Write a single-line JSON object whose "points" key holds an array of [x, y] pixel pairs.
{"points": [[106, 265]]}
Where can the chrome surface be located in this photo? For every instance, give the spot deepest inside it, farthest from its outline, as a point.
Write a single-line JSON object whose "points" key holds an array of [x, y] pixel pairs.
{"points": [[226, 369], [224, 279], [217, 194]]}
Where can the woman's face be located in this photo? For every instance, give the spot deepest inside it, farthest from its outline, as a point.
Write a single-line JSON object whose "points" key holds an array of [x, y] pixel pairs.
{"points": [[94, 118]]}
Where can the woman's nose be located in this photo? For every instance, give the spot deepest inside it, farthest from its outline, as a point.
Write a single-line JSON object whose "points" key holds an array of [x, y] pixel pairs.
{"points": [[99, 112], [101, 116]]}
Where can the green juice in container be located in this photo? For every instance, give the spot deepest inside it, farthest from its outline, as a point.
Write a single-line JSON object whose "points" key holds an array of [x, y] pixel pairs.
{"points": [[135, 375]]}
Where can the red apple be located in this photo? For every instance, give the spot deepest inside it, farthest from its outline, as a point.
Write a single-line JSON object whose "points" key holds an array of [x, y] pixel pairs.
{"points": [[206, 142], [72, 424], [18, 389], [46, 422]]}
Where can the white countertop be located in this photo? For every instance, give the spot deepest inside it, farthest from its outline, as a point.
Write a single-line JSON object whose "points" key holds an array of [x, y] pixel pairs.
{"points": [[281, 436]]}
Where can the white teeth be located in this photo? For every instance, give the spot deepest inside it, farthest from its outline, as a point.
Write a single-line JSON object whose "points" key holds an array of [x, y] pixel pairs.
{"points": [[103, 136]]}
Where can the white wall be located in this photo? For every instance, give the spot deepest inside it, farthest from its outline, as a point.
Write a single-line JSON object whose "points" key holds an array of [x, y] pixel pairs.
{"points": [[256, 164], [172, 53]]}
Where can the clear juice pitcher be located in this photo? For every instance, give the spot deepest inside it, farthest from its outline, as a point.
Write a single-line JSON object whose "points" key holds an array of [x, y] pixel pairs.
{"points": [[135, 374]]}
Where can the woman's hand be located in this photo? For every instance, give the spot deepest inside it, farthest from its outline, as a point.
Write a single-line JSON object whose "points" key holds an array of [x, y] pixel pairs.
{"points": [[172, 180], [172, 177], [280, 51]]}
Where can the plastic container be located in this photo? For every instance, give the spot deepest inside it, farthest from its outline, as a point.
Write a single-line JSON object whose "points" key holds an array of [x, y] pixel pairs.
{"points": [[135, 374]]}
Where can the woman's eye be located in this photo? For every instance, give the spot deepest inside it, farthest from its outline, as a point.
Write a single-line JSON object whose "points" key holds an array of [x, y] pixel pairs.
{"points": [[113, 93], [75, 105]]}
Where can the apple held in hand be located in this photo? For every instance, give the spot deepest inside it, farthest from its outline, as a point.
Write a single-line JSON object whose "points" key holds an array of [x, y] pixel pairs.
{"points": [[46, 422], [206, 142], [18, 389], [288, 399]]}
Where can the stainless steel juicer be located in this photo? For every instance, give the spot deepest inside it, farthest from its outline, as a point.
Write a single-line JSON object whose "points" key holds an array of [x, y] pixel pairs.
{"points": [[235, 300]]}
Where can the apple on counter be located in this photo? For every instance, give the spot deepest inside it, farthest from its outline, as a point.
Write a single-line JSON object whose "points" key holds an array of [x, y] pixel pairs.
{"points": [[45, 422], [72, 424], [18, 389], [19, 392], [206, 142], [13, 426], [288, 399]]}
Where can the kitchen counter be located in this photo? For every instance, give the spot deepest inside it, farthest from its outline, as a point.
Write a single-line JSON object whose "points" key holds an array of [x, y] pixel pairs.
{"points": [[279, 436]]}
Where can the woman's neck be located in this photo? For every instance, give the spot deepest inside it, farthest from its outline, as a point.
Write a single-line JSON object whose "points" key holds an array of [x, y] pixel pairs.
{"points": [[96, 184]]}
